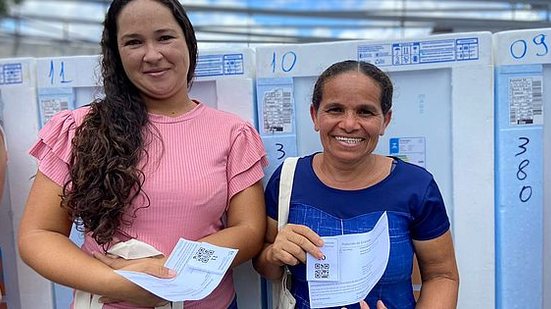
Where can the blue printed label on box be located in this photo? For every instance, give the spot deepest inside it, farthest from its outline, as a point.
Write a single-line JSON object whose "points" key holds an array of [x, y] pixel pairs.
{"points": [[11, 73]]}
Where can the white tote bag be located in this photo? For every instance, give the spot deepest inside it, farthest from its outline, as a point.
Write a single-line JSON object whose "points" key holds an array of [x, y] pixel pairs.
{"points": [[130, 250], [281, 296]]}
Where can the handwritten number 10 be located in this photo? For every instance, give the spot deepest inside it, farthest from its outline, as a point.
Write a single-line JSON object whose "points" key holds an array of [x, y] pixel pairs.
{"points": [[288, 61]]}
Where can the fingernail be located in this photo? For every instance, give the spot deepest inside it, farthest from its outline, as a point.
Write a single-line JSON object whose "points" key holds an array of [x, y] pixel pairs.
{"points": [[172, 272]]}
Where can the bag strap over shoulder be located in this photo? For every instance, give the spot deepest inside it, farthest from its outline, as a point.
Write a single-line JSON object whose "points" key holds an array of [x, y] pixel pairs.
{"points": [[281, 296], [285, 187]]}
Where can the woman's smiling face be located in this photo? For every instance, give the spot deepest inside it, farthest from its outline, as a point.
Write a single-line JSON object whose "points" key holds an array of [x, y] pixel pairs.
{"points": [[350, 118], [153, 49]]}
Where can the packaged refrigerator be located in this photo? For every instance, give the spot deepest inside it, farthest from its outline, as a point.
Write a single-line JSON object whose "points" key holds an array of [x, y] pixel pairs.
{"points": [[224, 80], [20, 122], [523, 170], [442, 120]]}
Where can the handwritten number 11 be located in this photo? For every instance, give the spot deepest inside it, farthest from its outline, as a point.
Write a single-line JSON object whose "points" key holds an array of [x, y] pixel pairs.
{"points": [[52, 73]]}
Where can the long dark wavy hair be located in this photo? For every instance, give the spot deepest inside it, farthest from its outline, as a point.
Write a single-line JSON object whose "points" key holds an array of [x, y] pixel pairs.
{"points": [[104, 174]]}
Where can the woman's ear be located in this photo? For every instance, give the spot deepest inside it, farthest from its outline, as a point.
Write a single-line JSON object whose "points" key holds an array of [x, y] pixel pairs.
{"points": [[314, 115], [386, 122]]}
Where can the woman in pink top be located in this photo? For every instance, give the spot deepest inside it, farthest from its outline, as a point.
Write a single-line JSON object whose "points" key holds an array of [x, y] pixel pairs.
{"points": [[145, 163]]}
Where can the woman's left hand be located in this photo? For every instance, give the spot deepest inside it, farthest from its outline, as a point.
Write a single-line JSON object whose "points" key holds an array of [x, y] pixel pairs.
{"points": [[152, 266], [117, 263]]}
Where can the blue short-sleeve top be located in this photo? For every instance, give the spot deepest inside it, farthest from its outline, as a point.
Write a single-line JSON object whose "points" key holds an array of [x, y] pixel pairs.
{"points": [[415, 210]]}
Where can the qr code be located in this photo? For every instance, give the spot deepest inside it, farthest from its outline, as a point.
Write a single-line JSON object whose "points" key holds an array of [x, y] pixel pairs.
{"points": [[322, 270], [203, 255]]}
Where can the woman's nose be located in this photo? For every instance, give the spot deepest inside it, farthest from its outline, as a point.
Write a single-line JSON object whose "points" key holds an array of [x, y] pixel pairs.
{"points": [[349, 122], [152, 53]]}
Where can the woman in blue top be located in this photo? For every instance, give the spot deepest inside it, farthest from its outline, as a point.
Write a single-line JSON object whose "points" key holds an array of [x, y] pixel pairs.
{"points": [[347, 187]]}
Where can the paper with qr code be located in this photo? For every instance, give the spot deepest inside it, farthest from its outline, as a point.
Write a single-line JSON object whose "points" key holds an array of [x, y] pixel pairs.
{"points": [[363, 258], [326, 269], [200, 268]]}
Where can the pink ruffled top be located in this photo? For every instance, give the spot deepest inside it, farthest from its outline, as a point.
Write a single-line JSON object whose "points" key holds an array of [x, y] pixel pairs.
{"points": [[202, 159]]}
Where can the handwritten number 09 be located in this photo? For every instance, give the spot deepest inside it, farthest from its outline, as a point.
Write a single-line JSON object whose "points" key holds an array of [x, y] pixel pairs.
{"points": [[519, 48]]}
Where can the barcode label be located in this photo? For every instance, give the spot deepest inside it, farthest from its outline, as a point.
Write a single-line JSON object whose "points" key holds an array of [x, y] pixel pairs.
{"points": [[51, 106], [278, 111], [526, 100], [537, 97]]}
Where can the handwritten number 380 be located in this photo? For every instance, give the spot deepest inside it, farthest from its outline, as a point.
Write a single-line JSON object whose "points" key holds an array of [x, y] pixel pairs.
{"points": [[525, 192]]}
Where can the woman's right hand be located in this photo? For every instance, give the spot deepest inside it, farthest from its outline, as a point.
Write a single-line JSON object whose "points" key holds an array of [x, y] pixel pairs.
{"points": [[134, 294], [292, 243]]}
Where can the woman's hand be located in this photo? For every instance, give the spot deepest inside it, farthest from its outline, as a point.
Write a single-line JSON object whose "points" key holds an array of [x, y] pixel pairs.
{"points": [[292, 243], [364, 305], [153, 266]]}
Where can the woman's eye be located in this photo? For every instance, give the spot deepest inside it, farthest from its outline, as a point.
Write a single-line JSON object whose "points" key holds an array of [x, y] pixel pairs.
{"points": [[131, 42], [334, 110], [365, 112], [165, 38]]}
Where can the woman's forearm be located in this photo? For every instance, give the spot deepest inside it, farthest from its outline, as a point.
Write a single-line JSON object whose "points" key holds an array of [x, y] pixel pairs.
{"points": [[56, 258], [246, 224], [439, 292], [264, 267], [248, 239]]}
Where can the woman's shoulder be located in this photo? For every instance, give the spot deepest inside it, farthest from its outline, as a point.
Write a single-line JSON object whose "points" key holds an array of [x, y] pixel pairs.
{"points": [[223, 118], [72, 118], [303, 166], [58, 132], [80, 113], [411, 171]]}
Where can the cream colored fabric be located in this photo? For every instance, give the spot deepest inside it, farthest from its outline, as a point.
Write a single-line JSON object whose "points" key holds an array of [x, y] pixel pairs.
{"points": [[133, 249], [130, 250], [281, 296]]}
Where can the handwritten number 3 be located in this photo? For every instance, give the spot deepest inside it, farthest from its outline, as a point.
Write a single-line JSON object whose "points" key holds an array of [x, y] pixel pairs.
{"points": [[526, 140], [280, 150]]}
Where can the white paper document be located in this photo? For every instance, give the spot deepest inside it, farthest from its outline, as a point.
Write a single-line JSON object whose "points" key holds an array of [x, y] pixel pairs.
{"points": [[200, 267], [351, 266]]}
